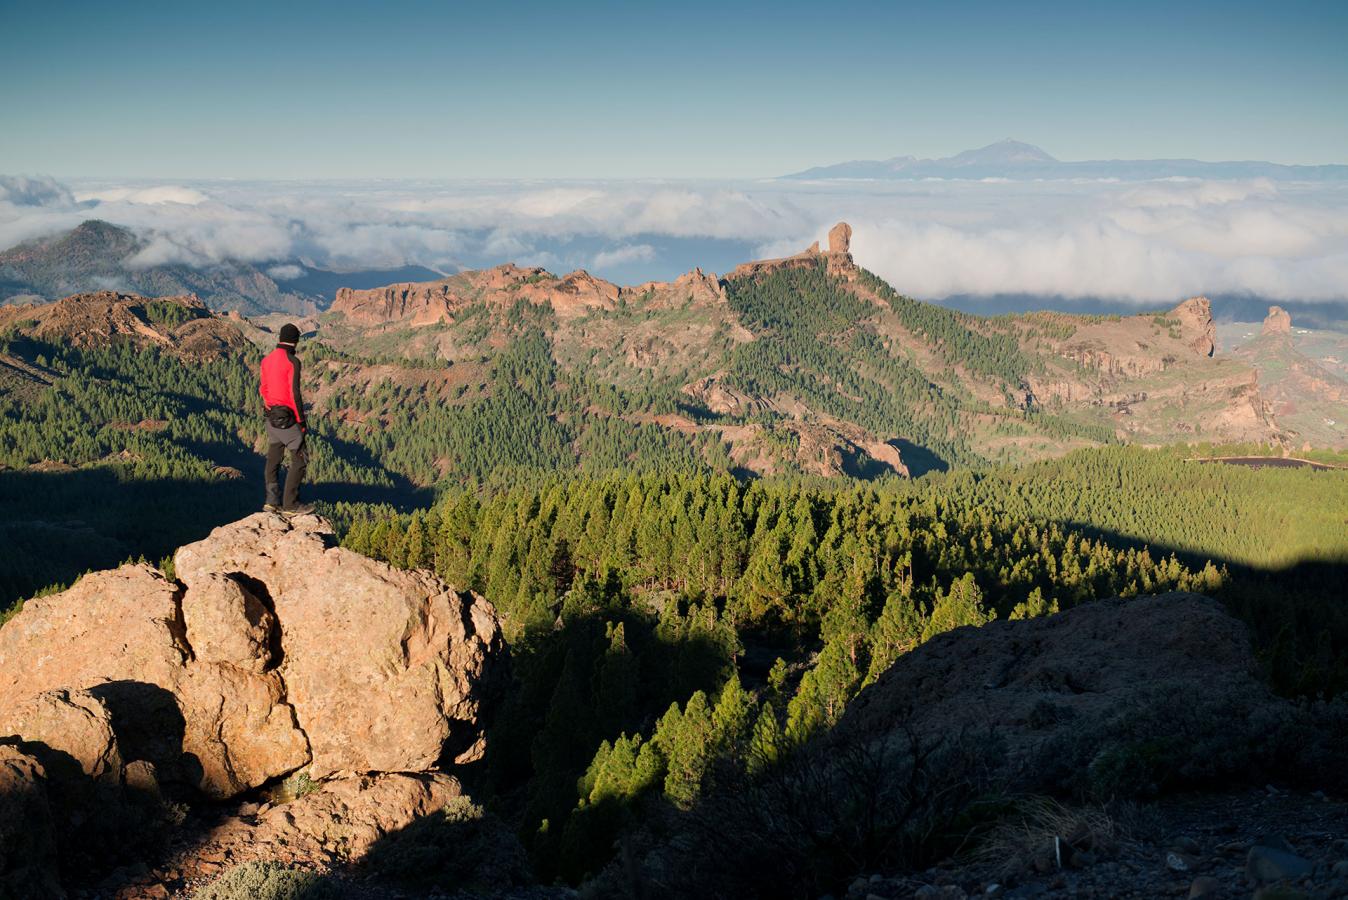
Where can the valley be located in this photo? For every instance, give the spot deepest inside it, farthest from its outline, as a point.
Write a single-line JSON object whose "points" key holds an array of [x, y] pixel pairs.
{"points": [[715, 516]]}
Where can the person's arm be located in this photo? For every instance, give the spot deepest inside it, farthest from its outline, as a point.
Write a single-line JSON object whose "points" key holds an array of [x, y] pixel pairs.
{"points": [[295, 389]]}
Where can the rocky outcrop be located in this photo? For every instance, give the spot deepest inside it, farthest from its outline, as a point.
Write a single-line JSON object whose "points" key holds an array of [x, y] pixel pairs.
{"points": [[180, 324], [386, 670], [336, 823], [1196, 325], [416, 304], [695, 288], [1139, 346], [715, 395], [573, 295], [840, 238], [120, 635], [837, 261], [1278, 321], [276, 651]]}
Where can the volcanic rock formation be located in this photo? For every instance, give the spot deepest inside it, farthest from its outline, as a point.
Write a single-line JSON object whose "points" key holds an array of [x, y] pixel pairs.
{"points": [[275, 651], [837, 261], [1278, 321], [1200, 332], [840, 238]]}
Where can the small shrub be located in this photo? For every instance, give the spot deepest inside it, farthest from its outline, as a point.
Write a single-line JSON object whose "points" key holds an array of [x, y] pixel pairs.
{"points": [[268, 881], [1042, 828], [304, 785]]}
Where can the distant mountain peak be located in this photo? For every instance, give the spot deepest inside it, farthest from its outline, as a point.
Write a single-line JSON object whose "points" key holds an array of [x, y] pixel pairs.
{"points": [[1010, 158], [97, 227], [1006, 152]]}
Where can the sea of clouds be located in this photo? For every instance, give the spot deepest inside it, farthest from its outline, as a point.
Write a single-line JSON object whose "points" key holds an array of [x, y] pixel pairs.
{"points": [[1144, 243]]}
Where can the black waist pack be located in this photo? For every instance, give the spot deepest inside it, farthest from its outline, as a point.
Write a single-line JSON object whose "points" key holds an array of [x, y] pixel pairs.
{"points": [[280, 417]]}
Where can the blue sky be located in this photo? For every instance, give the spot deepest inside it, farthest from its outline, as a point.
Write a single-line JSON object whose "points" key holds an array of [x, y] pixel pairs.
{"points": [[686, 90]]}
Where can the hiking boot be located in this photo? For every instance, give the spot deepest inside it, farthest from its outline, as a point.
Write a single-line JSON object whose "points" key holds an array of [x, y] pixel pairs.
{"points": [[271, 507], [299, 509]]}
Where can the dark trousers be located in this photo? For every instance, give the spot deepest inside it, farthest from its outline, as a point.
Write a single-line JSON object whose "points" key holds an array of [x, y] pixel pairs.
{"points": [[299, 461]]}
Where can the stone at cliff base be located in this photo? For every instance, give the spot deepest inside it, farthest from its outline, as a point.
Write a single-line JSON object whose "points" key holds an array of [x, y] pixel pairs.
{"points": [[72, 729], [338, 822]]}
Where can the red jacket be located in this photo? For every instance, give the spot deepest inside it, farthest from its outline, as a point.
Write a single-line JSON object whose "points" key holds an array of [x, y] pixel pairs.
{"points": [[281, 381]]}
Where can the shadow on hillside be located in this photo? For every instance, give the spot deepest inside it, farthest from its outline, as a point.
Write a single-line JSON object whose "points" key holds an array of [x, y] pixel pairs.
{"points": [[557, 713], [917, 458]]}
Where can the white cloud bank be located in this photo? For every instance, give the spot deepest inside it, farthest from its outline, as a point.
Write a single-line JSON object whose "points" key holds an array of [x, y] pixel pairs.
{"points": [[1146, 242]]}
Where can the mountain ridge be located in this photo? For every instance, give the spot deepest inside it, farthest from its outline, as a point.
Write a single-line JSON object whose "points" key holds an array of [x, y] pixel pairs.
{"points": [[98, 255], [1016, 159], [803, 364]]}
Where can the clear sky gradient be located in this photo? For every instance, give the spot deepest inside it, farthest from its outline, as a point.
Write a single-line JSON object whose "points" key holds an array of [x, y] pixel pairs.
{"points": [[689, 89]]}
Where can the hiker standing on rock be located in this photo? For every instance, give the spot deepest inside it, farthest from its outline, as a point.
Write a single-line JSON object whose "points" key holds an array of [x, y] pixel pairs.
{"points": [[283, 407]]}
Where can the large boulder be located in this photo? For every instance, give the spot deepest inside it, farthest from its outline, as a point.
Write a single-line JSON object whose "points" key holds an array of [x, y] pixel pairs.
{"points": [[276, 651], [69, 731], [385, 669], [121, 636]]}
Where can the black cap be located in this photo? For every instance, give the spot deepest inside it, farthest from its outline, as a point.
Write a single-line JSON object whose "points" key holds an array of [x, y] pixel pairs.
{"points": [[289, 334]]}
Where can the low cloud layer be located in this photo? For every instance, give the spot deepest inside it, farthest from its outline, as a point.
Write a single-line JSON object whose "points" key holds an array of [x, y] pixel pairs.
{"points": [[1140, 242]]}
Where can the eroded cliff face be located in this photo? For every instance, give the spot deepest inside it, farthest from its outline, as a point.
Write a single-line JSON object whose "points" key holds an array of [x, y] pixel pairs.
{"points": [[426, 303], [1138, 346], [1196, 325]]}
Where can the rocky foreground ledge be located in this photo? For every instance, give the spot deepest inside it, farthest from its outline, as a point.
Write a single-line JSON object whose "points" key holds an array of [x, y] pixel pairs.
{"points": [[274, 654]]}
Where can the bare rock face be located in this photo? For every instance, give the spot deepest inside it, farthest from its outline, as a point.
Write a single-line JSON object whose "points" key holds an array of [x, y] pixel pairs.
{"points": [[1200, 332], [1278, 321], [337, 823], [381, 667], [121, 636], [277, 651], [70, 728], [417, 303], [426, 303], [840, 238]]}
